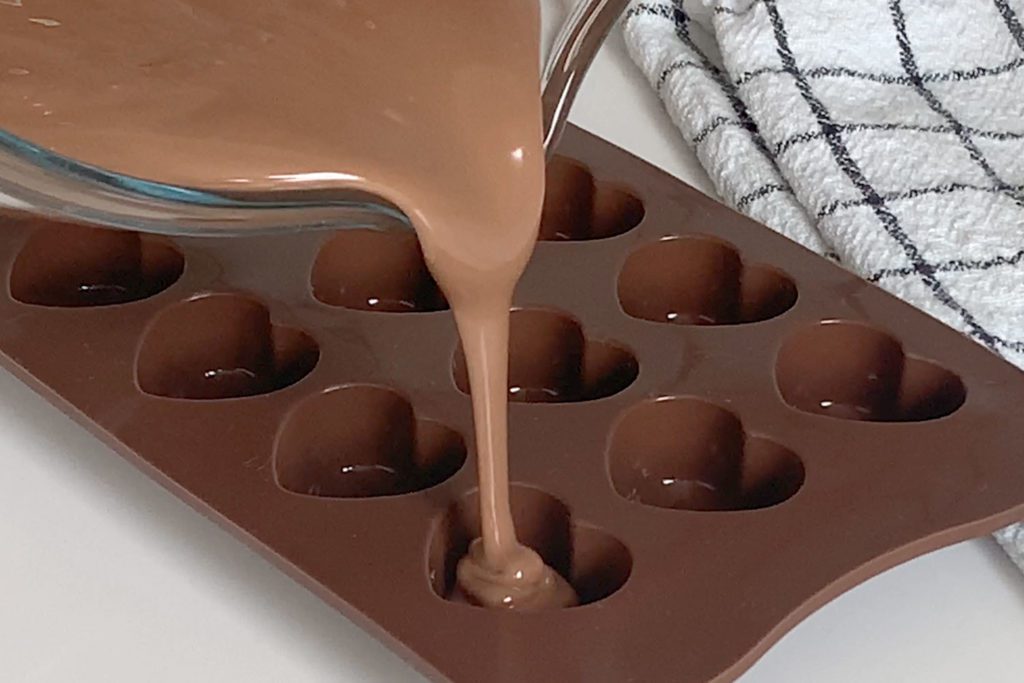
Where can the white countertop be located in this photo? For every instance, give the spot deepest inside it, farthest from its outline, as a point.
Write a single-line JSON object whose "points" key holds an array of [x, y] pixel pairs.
{"points": [[107, 577]]}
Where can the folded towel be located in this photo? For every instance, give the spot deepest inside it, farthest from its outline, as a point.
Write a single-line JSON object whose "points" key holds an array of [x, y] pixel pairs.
{"points": [[885, 134]]}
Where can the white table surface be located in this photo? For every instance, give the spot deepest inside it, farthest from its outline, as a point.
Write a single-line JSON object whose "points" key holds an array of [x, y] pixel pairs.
{"points": [[106, 577]]}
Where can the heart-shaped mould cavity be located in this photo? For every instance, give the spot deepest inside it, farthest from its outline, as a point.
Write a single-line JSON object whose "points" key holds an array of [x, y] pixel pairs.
{"points": [[853, 371], [577, 207], [375, 270], [684, 453], [552, 361], [72, 266], [220, 346], [361, 441], [594, 562], [700, 280]]}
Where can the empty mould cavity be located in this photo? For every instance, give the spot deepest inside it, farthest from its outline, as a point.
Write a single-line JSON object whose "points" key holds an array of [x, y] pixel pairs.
{"points": [[360, 441], [688, 454], [552, 361], [591, 560], [375, 270], [701, 281], [576, 207], [854, 371], [221, 346], [66, 265]]}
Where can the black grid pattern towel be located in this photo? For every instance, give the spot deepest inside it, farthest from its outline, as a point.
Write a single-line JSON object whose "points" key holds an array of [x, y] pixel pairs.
{"points": [[887, 134]]}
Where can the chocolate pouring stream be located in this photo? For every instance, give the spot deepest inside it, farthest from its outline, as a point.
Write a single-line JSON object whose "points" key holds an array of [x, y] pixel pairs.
{"points": [[436, 110]]}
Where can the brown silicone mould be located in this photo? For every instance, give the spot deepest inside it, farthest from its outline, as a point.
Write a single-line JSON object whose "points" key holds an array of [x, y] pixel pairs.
{"points": [[713, 431]]}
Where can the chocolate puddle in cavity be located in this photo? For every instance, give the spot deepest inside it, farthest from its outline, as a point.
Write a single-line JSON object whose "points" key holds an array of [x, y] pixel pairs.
{"points": [[433, 106]]}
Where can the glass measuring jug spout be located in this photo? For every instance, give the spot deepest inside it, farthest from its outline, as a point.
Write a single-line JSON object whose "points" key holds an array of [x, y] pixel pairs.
{"points": [[50, 184]]}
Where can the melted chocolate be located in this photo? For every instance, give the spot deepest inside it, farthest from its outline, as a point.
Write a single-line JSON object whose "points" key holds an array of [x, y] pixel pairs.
{"points": [[434, 108]]}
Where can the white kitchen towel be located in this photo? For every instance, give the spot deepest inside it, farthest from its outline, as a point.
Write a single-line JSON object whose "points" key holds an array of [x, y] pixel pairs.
{"points": [[886, 134]]}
